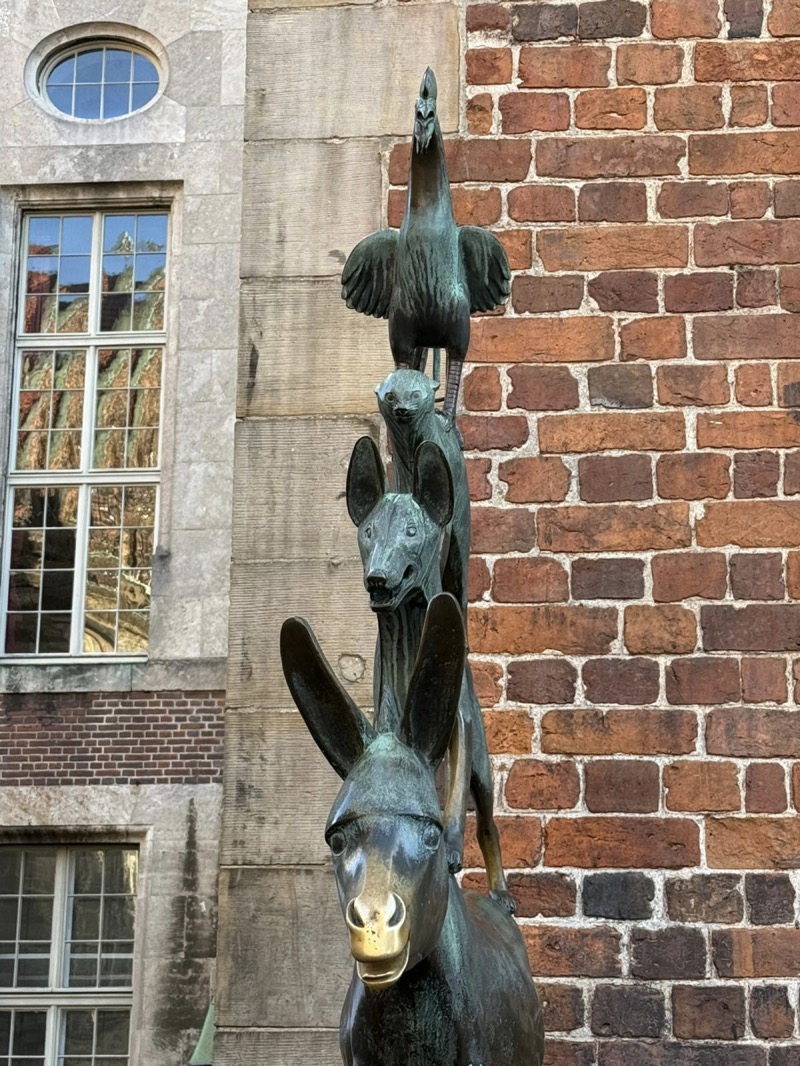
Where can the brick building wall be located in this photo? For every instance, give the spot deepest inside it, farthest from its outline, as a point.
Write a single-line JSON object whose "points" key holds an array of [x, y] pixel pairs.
{"points": [[632, 448], [108, 738]]}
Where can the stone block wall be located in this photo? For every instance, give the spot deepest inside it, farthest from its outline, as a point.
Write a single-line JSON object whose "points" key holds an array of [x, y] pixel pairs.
{"points": [[633, 447]]}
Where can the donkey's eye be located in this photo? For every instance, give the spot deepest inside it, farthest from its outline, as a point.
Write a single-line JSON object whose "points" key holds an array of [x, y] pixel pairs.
{"points": [[411, 531], [337, 842], [431, 836]]}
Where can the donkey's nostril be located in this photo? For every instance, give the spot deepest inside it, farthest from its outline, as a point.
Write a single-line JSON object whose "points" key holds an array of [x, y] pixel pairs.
{"points": [[399, 913], [353, 916]]}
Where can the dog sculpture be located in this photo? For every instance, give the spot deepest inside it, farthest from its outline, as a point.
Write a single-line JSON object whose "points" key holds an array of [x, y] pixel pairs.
{"points": [[441, 976], [399, 537]]}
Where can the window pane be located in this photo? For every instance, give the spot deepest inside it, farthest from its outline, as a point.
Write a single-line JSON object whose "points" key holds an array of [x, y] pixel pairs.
{"points": [[118, 64], [74, 274], [89, 66], [73, 314], [39, 872], [148, 311], [57, 590], [78, 1032], [29, 1032], [115, 313], [117, 273], [118, 233], [63, 73], [121, 870], [21, 632], [99, 632], [112, 1032], [36, 917], [76, 235], [151, 233], [116, 100], [143, 69], [26, 553], [143, 94], [106, 506], [133, 631], [42, 273], [88, 872], [85, 919], [87, 101], [9, 913], [10, 870], [44, 235]]}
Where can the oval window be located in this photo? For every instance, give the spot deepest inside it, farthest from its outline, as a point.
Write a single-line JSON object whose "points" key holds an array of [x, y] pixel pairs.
{"points": [[100, 81]]}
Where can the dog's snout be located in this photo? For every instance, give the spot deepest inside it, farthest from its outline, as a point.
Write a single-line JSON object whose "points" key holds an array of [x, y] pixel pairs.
{"points": [[376, 579]]}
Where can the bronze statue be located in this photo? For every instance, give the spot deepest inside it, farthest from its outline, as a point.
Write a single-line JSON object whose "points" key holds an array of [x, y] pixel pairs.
{"points": [[428, 276], [441, 976], [399, 537]]}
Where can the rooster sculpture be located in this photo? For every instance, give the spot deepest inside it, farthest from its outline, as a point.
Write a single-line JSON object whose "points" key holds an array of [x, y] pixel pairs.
{"points": [[430, 275]]}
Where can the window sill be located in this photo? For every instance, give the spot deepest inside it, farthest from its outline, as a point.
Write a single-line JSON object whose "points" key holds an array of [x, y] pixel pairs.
{"points": [[104, 674]]}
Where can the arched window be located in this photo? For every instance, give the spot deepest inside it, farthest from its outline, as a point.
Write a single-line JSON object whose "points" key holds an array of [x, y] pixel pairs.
{"points": [[100, 80]]}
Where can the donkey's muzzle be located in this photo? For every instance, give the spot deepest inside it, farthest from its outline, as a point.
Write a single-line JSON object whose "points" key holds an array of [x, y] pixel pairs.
{"points": [[379, 938]]}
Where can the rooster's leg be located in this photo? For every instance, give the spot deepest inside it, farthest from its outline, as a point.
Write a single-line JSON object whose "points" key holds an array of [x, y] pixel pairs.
{"points": [[454, 368]]}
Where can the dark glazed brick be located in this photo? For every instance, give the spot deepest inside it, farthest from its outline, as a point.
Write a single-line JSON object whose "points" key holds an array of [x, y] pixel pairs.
{"points": [[784, 1056], [628, 1010], [771, 1013], [607, 579], [621, 387], [631, 1053], [544, 22], [625, 290], [546, 895], [563, 1007], [611, 18], [690, 293], [541, 681], [625, 681], [757, 577], [705, 898], [745, 18], [770, 899], [622, 897], [668, 954], [755, 475], [622, 785], [787, 199], [759, 627], [708, 1012]]}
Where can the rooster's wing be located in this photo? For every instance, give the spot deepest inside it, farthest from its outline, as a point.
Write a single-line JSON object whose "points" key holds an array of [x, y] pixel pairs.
{"points": [[368, 274], [486, 266]]}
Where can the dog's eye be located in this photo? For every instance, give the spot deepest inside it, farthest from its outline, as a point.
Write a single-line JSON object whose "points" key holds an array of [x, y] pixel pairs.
{"points": [[368, 532], [411, 531]]}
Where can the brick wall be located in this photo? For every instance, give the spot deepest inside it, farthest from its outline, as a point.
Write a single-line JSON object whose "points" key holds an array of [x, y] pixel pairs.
{"points": [[631, 438], [102, 738]]}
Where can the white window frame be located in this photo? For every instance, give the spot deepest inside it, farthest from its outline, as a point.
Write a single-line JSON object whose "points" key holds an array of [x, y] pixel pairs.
{"points": [[85, 478], [55, 998]]}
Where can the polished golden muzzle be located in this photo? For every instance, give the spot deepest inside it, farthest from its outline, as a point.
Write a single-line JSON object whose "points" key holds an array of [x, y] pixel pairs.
{"points": [[379, 937]]}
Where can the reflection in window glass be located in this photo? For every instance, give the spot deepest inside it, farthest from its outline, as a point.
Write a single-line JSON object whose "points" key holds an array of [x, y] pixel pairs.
{"points": [[101, 82]]}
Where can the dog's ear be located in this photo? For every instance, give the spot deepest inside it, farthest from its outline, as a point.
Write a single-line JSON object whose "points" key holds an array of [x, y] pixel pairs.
{"points": [[433, 482], [366, 480]]}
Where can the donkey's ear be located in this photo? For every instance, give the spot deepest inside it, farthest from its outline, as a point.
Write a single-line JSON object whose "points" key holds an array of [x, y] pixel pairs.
{"points": [[433, 482], [340, 729], [435, 686], [366, 482]]}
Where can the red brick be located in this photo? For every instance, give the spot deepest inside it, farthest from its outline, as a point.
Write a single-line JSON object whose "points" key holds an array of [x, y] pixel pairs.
{"points": [[695, 476], [787, 199], [612, 528], [612, 432], [480, 113], [620, 387], [757, 627], [482, 390], [566, 952], [627, 290], [690, 199], [764, 680], [757, 577], [765, 788], [749, 105], [755, 474], [611, 109], [744, 153], [609, 157], [601, 19], [535, 479], [471, 206], [563, 1004], [574, 1053], [613, 247], [496, 530], [526, 112], [478, 471], [623, 786], [654, 338], [489, 432], [756, 288], [704, 1012], [688, 574], [531, 630], [676, 18], [533, 580], [607, 579], [793, 574], [545, 895], [693, 107], [790, 288], [624, 732], [773, 336], [615, 201], [690, 293], [502, 159], [705, 898], [542, 203], [541, 681], [479, 578], [663, 954], [649, 64], [520, 839], [702, 786], [747, 61], [693, 386], [487, 678], [542, 786], [488, 66], [538, 295], [659, 630], [551, 340], [487, 18], [754, 385], [791, 475], [760, 524], [749, 243], [544, 22], [508, 732], [788, 384], [750, 199], [625, 681], [518, 246], [626, 843], [542, 388], [785, 106], [783, 19], [706, 681], [757, 952], [570, 66]]}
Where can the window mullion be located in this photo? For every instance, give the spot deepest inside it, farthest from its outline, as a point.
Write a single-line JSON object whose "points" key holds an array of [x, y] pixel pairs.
{"points": [[96, 273], [52, 1036], [60, 902]]}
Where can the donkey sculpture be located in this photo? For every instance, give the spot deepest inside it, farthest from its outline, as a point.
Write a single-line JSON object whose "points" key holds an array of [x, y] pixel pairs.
{"points": [[441, 976], [399, 536]]}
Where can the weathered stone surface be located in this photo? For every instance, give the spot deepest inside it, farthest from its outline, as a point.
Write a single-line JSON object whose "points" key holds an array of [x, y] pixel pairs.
{"points": [[286, 95], [251, 1047]]}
